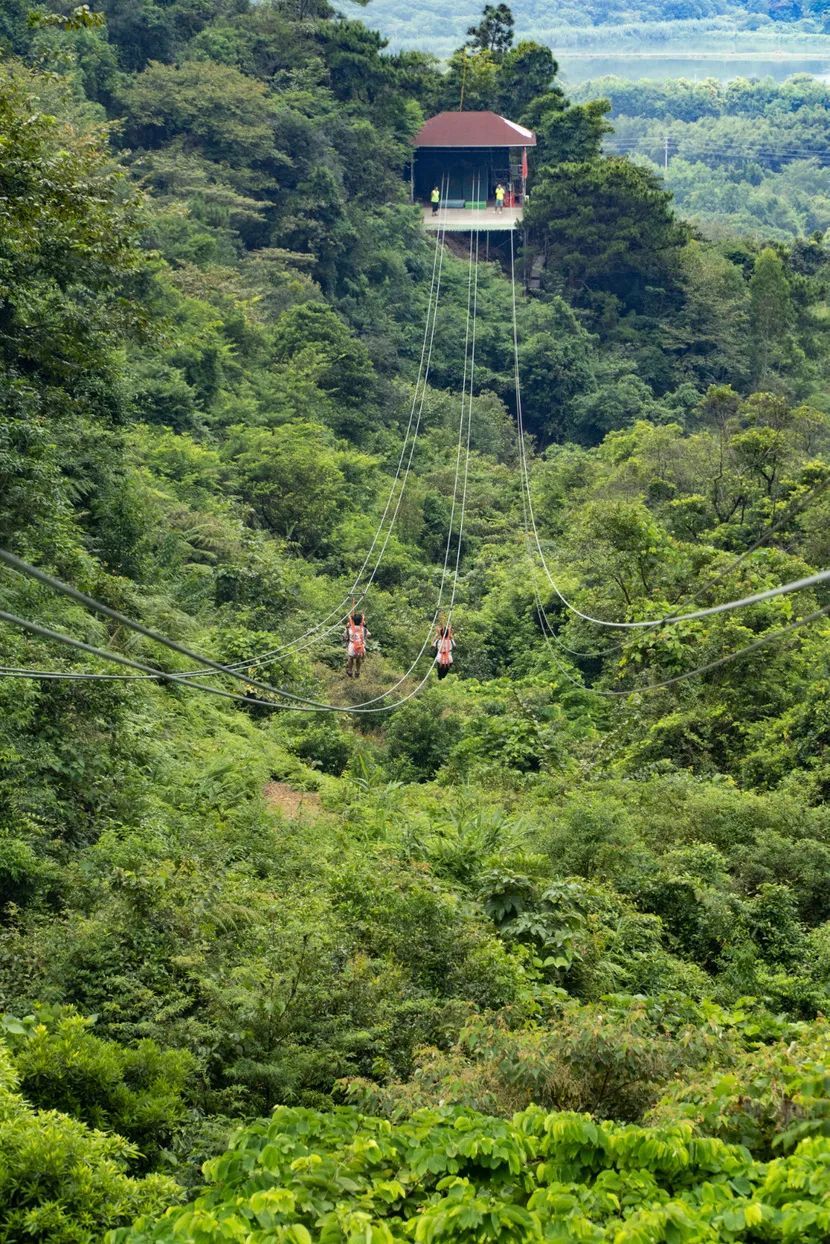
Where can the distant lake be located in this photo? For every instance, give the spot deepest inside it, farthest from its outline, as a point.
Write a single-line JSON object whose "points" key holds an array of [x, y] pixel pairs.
{"points": [[580, 68]]}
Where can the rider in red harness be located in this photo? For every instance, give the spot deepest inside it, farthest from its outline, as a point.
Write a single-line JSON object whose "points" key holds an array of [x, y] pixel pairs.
{"points": [[443, 643], [355, 636]]}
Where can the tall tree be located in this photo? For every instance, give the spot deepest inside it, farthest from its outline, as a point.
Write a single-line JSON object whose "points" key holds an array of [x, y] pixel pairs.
{"points": [[213, 109], [494, 33], [568, 134], [771, 313], [472, 81], [608, 234], [526, 72]]}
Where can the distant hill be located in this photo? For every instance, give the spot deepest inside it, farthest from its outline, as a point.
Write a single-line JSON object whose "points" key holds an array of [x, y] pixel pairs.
{"points": [[439, 28]]}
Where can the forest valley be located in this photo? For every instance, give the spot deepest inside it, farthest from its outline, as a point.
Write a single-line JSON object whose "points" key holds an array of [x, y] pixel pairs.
{"points": [[520, 960]]}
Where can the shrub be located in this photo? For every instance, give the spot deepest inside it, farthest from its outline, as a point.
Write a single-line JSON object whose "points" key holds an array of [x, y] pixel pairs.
{"points": [[62, 1182], [768, 1100], [611, 1058], [458, 1175], [136, 1091]]}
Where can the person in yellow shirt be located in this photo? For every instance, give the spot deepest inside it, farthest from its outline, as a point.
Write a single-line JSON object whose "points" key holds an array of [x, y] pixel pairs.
{"points": [[435, 200], [499, 197]]}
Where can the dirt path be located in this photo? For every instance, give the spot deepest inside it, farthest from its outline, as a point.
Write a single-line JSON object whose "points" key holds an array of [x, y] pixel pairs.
{"points": [[292, 803]]}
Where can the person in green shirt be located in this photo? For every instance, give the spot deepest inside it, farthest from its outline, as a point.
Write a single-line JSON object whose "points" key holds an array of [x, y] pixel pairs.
{"points": [[435, 199]]}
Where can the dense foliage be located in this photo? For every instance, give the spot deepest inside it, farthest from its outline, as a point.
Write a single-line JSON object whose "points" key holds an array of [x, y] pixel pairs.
{"points": [[455, 1175], [544, 953], [745, 156], [61, 1180]]}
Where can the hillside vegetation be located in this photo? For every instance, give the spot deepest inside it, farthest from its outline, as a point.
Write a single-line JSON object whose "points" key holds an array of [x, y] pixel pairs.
{"points": [[543, 951], [687, 25], [746, 157]]}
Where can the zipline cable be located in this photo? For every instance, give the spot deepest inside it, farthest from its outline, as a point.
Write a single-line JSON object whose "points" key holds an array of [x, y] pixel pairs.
{"points": [[305, 704], [525, 484], [367, 706], [268, 657], [89, 602], [469, 426], [797, 585], [421, 382], [469, 369], [743, 602], [768, 637], [762, 641], [102, 654], [788, 513], [469, 365]]}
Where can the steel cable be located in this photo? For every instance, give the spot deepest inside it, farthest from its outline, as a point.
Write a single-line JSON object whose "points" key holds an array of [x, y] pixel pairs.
{"points": [[762, 641], [304, 704]]}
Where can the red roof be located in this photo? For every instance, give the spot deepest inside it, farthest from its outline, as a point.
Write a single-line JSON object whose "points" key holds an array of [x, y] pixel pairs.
{"points": [[473, 129]]}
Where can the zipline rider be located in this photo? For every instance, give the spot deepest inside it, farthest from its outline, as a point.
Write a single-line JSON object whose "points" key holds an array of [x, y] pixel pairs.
{"points": [[444, 645], [355, 636]]}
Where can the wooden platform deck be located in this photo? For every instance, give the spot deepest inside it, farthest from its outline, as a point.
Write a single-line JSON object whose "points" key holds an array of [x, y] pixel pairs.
{"points": [[467, 220]]}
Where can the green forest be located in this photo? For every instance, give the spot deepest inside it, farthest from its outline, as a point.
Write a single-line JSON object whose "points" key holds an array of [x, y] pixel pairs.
{"points": [[539, 951], [747, 156], [687, 25]]}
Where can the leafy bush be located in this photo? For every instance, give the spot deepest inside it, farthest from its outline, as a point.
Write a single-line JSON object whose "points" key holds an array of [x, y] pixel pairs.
{"points": [[60, 1181], [135, 1091], [458, 1175], [611, 1058], [770, 1098]]}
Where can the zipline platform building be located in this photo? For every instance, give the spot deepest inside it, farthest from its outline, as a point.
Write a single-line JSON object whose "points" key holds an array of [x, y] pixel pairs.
{"points": [[468, 154]]}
